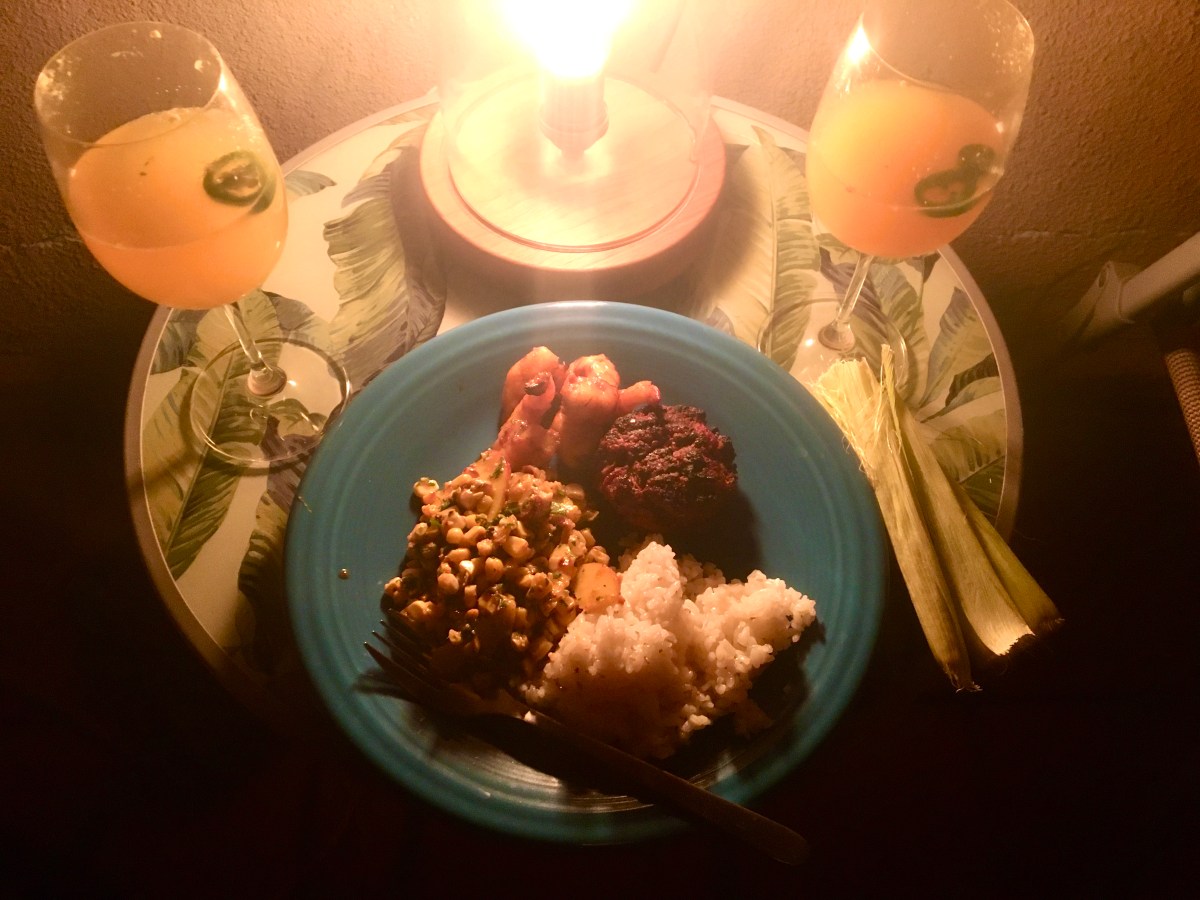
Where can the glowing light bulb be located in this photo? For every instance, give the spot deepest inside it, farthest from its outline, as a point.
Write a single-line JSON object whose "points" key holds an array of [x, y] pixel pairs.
{"points": [[571, 41], [569, 38]]}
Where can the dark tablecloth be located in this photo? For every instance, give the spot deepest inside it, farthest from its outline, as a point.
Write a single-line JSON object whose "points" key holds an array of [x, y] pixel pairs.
{"points": [[126, 770]]}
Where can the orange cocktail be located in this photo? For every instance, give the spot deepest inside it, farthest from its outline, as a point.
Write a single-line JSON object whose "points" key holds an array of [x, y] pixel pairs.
{"points": [[184, 207], [897, 169]]}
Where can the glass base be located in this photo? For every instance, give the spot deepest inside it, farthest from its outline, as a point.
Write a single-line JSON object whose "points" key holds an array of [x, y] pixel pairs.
{"points": [[629, 183], [244, 429], [870, 329]]}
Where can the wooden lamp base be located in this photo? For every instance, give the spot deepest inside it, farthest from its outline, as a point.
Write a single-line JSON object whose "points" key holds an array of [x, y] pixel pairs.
{"points": [[613, 222]]}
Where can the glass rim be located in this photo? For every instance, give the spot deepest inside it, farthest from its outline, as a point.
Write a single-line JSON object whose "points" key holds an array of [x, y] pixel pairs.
{"points": [[1019, 19], [40, 89]]}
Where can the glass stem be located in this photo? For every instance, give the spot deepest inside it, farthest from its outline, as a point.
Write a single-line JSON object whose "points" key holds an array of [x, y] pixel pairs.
{"points": [[264, 379], [838, 335]]}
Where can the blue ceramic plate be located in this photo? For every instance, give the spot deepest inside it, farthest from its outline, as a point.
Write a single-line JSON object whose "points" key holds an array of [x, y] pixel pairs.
{"points": [[808, 517]]}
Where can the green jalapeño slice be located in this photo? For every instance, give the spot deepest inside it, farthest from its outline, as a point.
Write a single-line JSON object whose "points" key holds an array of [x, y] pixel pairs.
{"points": [[240, 179], [952, 192]]}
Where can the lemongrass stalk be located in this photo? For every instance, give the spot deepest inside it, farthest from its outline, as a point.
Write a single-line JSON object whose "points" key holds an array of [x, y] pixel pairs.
{"points": [[854, 399], [988, 610]]}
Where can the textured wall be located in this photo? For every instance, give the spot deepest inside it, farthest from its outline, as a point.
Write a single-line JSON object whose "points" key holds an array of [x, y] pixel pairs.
{"points": [[1108, 164]]}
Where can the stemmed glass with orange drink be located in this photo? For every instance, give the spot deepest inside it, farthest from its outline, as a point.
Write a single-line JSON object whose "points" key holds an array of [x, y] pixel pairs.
{"points": [[910, 138], [174, 188]]}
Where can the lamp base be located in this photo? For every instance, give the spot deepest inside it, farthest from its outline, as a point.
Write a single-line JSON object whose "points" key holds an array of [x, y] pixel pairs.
{"points": [[647, 249]]}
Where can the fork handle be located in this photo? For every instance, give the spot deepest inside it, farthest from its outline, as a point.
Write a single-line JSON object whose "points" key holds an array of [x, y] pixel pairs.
{"points": [[767, 835]]}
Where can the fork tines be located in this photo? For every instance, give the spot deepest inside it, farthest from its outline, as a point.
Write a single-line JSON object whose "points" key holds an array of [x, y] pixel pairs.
{"points": [[401, 633], [405, 651]]}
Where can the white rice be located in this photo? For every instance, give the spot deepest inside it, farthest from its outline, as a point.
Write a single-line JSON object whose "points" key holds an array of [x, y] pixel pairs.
{"points": [[680, 651]]}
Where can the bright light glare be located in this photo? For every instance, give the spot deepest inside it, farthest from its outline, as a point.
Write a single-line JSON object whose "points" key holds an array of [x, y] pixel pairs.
{"points": [[570, 38], [859, 47]]}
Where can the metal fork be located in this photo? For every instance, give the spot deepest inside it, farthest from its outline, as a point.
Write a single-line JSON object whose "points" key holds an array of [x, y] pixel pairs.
{"points": [[406, 665]]}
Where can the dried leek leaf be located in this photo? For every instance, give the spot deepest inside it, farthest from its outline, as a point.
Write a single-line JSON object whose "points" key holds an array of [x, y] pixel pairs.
{"points": [[854, 399]]}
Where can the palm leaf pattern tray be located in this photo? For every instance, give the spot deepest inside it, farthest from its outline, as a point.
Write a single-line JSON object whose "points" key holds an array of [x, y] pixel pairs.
{"points": [[362, 276]]}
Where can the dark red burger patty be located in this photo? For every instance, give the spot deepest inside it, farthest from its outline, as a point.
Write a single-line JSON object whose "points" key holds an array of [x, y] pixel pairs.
{"points": [[663, 468]]}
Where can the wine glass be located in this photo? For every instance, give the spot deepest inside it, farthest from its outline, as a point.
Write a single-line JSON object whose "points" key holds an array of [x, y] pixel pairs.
{"points": [[909, 140], [171, 183]]}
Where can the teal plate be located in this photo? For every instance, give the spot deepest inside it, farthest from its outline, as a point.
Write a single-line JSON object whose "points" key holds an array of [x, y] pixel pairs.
{"points": [[806, 515]]}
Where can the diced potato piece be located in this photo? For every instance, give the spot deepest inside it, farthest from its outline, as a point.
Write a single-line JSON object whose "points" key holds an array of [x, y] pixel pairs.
{"points": [[596, 586], [492, 468]]}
